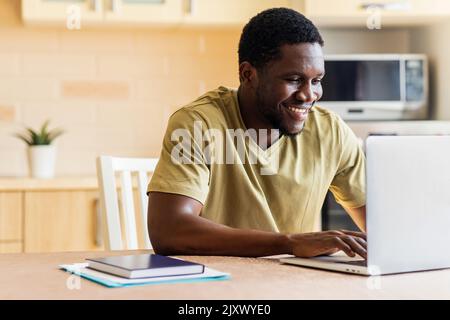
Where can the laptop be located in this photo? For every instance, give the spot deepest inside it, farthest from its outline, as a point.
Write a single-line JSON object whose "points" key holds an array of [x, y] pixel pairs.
{"points": [[407, 208]]}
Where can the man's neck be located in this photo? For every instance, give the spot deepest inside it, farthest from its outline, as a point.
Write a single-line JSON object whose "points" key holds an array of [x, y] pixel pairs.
{"points": [[253, 119]]}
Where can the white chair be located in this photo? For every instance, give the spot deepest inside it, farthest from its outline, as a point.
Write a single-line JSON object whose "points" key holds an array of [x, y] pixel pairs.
{"points": [[115, 232]]}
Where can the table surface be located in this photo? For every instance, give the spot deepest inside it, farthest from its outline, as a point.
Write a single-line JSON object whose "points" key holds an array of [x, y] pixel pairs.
{"points": [[37, 276]]}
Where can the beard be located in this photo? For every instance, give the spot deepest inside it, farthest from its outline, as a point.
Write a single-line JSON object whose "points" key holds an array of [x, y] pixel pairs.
{"points": [[273, 115]]}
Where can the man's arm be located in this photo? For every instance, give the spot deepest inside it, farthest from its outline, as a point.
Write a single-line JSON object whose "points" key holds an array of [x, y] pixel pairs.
{"points": [[176, 227], [358, 215]]}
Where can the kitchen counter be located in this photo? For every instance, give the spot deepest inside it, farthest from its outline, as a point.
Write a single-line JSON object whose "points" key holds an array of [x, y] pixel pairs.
{"points": [[423, 127], [56, 184]]}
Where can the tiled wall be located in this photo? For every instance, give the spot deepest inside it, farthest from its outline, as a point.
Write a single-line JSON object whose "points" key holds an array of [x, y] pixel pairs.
{"points": [[113, 90]]}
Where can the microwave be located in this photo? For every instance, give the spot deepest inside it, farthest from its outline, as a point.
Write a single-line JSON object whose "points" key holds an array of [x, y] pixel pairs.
{"points": [[376, 86]]}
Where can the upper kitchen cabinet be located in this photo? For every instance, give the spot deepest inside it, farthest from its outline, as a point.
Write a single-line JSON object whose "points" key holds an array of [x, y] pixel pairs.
{"points": [[144, 12], [69, 13], [141, 12], [74, 14], [376, 13], [226, 12]]}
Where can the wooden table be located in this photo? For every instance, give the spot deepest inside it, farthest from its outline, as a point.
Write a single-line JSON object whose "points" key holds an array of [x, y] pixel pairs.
{"points": [[36, 276]]}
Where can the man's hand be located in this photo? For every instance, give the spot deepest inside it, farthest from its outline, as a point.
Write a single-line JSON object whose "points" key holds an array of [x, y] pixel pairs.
{"points": [[314, 244]]}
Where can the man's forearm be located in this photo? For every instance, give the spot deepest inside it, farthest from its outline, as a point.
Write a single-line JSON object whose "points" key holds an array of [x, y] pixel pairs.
{"points": [[194, 235]]}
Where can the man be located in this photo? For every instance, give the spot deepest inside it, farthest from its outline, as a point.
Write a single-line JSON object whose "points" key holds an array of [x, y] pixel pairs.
{"points": [[268, 199]]}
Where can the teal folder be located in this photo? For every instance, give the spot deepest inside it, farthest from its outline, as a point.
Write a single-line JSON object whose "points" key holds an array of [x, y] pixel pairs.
{"points": [[112, 281]]}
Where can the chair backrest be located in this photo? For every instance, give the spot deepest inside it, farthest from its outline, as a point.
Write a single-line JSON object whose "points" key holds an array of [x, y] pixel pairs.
{"points": [[113, 229]]}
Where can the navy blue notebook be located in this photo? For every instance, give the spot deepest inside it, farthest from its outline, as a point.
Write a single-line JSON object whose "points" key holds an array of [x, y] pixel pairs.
{"points": [[145, 266]]}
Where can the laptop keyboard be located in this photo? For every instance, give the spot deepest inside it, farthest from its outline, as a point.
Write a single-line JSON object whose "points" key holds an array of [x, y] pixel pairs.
{"points": [[362, 263]]}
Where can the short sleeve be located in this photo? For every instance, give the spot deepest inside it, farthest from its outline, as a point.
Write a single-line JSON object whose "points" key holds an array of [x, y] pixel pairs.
{"points": [[182, 168], [349, 183]]}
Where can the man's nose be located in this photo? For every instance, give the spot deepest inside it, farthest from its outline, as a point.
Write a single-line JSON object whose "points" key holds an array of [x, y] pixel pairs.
{"points": [[306, 94]]}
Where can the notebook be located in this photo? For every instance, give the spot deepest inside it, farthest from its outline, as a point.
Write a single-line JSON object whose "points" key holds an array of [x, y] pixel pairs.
{"points": [[111, 281], [144, 266]]}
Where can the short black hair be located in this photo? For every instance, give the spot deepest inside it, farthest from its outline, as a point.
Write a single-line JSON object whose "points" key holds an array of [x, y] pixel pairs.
{"points": [[266, 32]]}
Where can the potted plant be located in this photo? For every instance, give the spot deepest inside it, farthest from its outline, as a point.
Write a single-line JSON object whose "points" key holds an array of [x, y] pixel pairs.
{"points": [[41, 152]]}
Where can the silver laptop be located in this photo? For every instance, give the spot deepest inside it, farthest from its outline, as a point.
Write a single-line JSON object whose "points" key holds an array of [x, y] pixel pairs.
{"points": [[408, 208]]}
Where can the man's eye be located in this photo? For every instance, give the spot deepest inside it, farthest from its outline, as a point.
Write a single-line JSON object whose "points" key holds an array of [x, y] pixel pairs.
{"points": [[317, 81], [293, 80]]}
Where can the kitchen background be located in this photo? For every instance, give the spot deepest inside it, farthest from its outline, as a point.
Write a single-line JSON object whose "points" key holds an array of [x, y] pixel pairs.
{"points": [[112, 86], [112, 89]]}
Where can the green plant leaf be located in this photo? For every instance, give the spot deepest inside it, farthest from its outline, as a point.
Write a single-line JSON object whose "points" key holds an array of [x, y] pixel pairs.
{"points": [[24, 138], [34, 136], [44, 133], [43, 137], [54, 134]]}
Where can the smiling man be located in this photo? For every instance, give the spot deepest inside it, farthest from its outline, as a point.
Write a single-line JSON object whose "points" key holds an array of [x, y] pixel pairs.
{"points": [[265, 198]]}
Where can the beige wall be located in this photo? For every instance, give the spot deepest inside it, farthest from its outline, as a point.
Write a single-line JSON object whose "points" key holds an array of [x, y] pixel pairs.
{"points": [[113, 90], [433, 41]]}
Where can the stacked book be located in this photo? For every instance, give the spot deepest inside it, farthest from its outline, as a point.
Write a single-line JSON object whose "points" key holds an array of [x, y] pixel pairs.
{"points": [[132, 270]]}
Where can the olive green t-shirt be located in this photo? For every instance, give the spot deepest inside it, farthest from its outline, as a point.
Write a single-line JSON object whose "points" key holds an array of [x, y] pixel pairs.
{"points": [[207, 156]]}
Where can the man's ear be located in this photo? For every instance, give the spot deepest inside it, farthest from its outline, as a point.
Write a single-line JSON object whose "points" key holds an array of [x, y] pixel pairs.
{"points": [[248, 74]]}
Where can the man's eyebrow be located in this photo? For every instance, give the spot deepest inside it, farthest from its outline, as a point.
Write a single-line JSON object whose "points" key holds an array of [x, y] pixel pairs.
{"points": [[292, 73], [296, 73]]}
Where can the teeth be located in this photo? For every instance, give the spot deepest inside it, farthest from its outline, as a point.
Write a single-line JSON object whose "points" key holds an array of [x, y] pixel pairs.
{"points": [[298, 110]]}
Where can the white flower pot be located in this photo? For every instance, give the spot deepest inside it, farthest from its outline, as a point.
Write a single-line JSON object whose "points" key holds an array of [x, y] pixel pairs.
{"points": [[41, 160]]}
